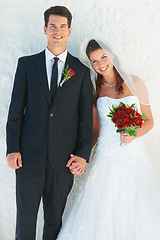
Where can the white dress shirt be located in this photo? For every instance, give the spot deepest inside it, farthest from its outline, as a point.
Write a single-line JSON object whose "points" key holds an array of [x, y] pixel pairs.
{"points": [[50, 62]]}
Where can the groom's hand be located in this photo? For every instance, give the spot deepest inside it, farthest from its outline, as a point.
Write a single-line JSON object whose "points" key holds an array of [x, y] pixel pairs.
{"points": [[14, 160], [76, 164]]}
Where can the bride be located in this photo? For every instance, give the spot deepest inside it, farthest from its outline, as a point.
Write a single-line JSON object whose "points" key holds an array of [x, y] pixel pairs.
{"points": [[118, 196]]}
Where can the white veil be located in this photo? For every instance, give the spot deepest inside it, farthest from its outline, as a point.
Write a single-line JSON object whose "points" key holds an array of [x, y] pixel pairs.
{"points": [[135, 84]]}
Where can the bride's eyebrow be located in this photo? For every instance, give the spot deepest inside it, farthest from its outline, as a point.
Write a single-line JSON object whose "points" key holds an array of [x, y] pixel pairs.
{"points": [[93, 59]]}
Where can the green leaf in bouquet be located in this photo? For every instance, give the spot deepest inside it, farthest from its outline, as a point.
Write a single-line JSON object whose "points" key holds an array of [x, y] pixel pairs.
{"points": [[121, 104], [113, 108], [119, 130], [134, 134], [113, 112], [144, 117], [133, 105], [126, 131], [110, 115]]}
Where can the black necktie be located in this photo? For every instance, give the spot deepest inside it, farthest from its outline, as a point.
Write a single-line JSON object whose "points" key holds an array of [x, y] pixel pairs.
{"points": [[54, 79]]}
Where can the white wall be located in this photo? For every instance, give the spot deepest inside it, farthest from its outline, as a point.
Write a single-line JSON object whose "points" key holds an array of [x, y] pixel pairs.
{"points": [[134, 27]]}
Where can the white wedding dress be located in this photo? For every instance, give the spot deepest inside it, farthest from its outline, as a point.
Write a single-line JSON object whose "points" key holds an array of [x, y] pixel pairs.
{"points": [[118, 196]]}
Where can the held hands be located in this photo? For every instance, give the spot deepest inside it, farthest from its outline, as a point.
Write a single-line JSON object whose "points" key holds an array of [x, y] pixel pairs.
{"points": [[14, 160], [126, 138], [76, 164]]}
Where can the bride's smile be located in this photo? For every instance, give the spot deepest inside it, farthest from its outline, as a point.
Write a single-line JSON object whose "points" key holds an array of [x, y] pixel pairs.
{"points": [[104, 69]]}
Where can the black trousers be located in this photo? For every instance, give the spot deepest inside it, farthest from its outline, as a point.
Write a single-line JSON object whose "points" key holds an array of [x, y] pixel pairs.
{"points": [[52, 186]]}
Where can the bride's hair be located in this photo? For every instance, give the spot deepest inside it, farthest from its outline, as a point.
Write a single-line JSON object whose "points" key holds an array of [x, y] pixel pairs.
{"points": [[92, 46]]}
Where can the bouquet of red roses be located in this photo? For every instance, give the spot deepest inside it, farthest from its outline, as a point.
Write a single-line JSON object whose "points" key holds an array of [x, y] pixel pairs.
{"points": [[126, 118]]}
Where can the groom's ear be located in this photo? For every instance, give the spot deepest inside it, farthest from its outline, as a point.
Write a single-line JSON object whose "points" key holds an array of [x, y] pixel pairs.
{"points": [[70, 30], [45, 28]]}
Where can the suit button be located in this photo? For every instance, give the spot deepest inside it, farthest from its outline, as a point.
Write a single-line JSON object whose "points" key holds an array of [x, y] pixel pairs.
{"points": [[51, 115]]}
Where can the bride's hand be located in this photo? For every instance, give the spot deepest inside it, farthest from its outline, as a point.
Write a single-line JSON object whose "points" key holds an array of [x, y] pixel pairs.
{"points": [[76, 164], [126, 138]]}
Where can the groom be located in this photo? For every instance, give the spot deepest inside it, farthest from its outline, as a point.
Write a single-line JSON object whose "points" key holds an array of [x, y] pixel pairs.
{"points": [[49, 127]]}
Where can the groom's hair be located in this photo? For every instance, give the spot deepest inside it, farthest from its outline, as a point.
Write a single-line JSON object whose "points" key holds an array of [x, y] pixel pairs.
{"points": [[60, 11]]}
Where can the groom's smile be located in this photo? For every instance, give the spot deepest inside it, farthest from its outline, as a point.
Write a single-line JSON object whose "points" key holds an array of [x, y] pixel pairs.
{"points": [[57, 38]]}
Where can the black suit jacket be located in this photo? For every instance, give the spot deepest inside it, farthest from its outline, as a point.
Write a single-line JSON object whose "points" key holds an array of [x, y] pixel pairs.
{"points": [[38, 129]]}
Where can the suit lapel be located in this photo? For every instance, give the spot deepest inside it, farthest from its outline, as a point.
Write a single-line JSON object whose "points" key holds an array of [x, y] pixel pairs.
{"points": [[69, 62], [42, 73]]}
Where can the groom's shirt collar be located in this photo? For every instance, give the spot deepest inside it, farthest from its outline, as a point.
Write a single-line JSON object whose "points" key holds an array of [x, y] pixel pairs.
{"points": [[49, 64], [49, 55]]}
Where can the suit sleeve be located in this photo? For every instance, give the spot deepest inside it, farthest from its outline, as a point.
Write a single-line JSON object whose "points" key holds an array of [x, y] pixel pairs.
{"points": [[85, 130], [16, 110]]}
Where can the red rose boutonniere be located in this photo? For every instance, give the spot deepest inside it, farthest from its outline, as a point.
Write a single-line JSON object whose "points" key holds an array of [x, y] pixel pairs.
{"points": [[68, 73], [126, 118]]}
